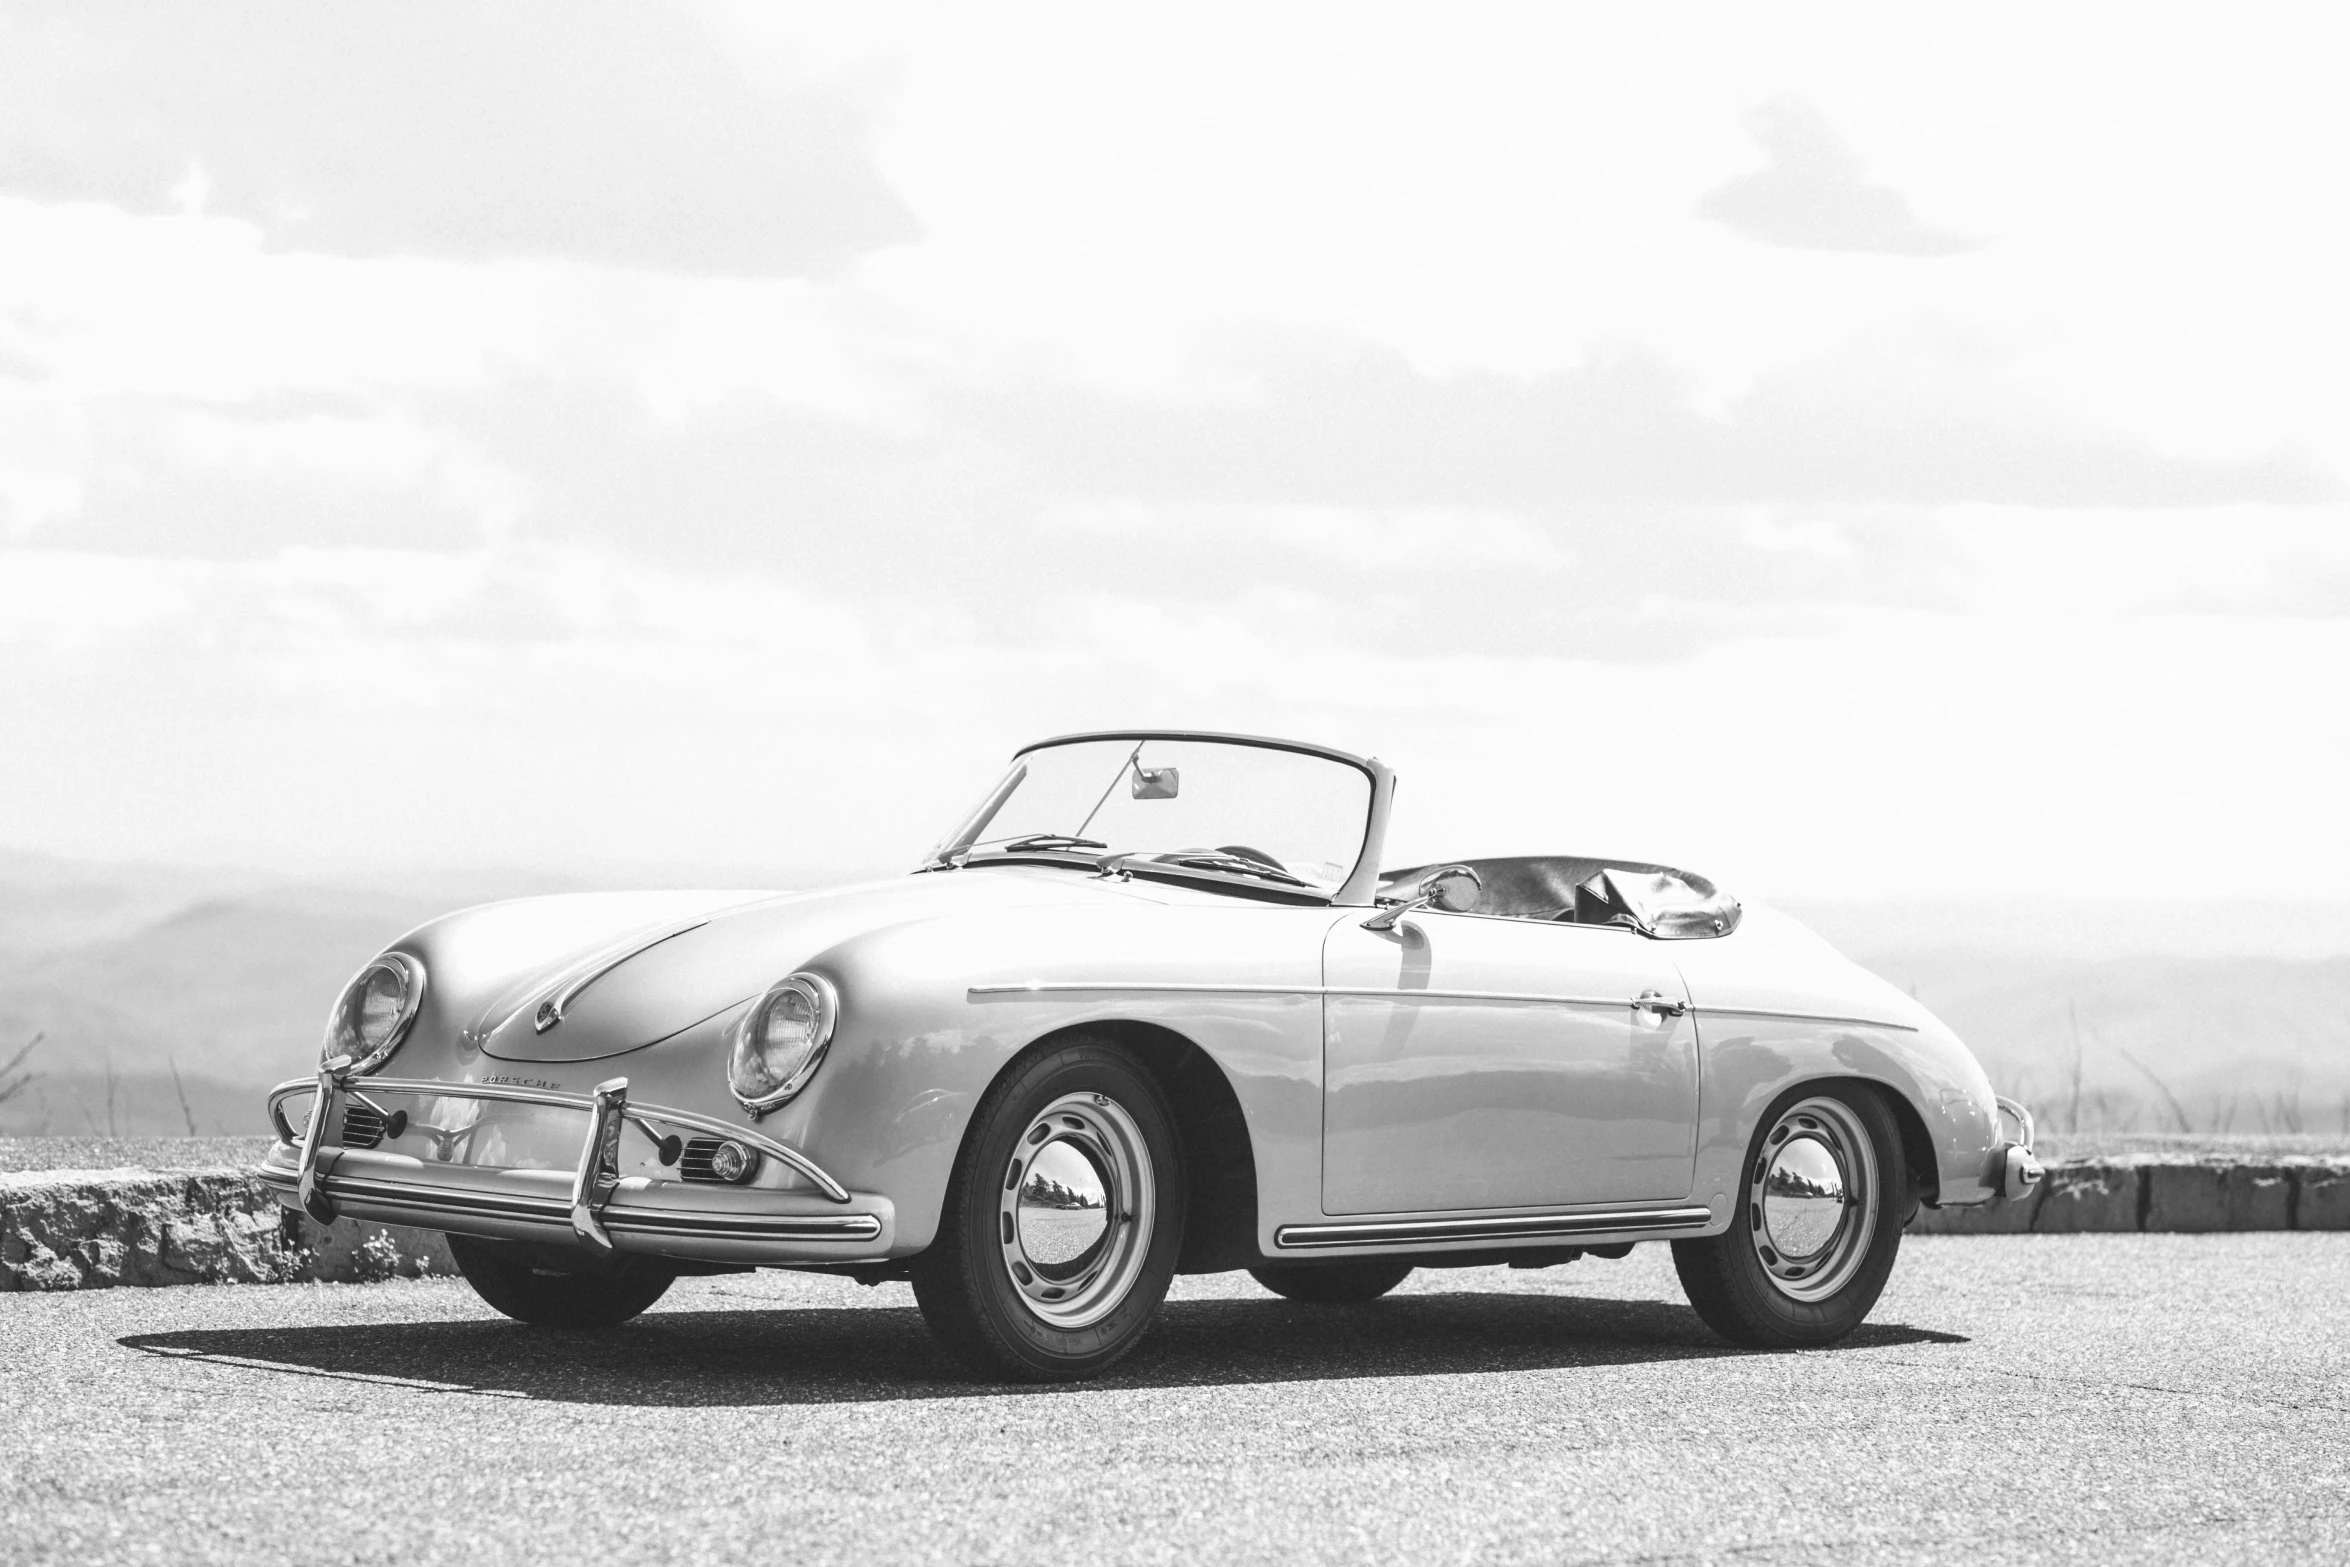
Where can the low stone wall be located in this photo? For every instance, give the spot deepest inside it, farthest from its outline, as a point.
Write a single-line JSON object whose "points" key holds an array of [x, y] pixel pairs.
{"points": [[93, 1229], [2177, 1196]]}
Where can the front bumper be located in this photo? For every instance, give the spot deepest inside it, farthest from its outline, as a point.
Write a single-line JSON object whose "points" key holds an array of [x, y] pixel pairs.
{"points": [[591, 1206]]}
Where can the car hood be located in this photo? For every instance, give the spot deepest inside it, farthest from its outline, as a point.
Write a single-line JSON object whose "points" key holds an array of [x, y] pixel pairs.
{"points": [[652, 981]]}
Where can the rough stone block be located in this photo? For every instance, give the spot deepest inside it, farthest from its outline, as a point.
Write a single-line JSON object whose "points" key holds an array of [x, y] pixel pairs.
{"points": [[2324, 1198], [2185, 1197], [2089, 1198], [82, 1229], [2260, 1197], [2201, 1198]]}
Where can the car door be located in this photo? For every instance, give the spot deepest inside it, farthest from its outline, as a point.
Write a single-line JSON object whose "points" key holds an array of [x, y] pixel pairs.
{"points": [[1474, 1062]]}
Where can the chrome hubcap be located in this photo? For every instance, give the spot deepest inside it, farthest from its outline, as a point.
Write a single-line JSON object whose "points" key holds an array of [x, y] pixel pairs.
{"points": [[1803, 1197], [1076, 1210], [1812, 1199]]}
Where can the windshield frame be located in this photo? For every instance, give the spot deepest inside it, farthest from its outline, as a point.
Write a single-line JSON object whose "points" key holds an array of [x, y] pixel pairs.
{"points": [[1357, 890]]}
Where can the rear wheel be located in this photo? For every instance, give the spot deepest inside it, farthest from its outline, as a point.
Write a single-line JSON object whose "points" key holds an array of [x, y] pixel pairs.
{"points": [[551, 1288], [1062, 1222], [1333, 1284], [1818, 1224]]}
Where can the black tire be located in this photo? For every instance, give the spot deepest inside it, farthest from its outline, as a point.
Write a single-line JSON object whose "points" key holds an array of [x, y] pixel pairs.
{"points": [[1746, 1284], [548, 1287], [1002, 1286], [1333, 1284]]}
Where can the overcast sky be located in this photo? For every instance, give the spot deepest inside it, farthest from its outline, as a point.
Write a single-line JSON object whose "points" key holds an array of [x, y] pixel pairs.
{"points": [[1866, 452]]}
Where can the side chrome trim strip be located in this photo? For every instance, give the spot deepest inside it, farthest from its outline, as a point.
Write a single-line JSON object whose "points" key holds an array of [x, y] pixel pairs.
{"points": [[1158, 987], [1506, 1227], [1517, 997], [643, 1114], [1382, 993], [555, 1212], [1805, 1017], [1369, 992]]}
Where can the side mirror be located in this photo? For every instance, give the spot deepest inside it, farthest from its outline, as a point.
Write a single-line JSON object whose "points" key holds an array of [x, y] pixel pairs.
{"points": [[1453, 889], [1157, 783]]}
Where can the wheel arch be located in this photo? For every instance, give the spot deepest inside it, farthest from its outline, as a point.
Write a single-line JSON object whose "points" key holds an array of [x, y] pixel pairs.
{"points": [[1921, 1178], [1219, 1158]]}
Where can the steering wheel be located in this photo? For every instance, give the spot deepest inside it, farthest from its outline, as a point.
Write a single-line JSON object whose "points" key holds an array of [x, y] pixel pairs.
{"points": [[1258, 855]]}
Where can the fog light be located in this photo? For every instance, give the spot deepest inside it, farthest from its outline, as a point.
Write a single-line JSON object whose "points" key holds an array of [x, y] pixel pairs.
{"points": [[730, 1161]]}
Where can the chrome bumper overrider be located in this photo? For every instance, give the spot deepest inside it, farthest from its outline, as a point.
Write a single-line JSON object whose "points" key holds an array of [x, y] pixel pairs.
{"points": [[591, 1205], [2019, 1169]]}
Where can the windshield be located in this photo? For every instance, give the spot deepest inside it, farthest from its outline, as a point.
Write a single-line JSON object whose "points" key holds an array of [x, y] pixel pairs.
{"points": [[1226, 807]]}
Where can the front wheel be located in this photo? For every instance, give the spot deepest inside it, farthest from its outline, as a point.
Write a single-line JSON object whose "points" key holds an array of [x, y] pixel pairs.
{"points": [[551, 1288], [1332, 1284], [1062, 1222], [1818, 1224]]}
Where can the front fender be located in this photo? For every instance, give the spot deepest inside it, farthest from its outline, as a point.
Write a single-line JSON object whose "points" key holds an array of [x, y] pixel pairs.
{"points": [[917, 1049]]}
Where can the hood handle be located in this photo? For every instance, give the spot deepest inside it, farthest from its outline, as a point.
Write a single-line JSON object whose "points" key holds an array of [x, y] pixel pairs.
{"points": [[550, 1011]]}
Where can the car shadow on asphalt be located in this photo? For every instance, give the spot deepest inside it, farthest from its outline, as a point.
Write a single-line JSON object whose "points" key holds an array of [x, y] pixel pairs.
{"points": [[834, 1355]]}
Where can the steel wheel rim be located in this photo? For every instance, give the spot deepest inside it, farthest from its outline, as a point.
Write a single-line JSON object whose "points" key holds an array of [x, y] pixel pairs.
{"points": [[1074, 1210], [1811, 1199]]}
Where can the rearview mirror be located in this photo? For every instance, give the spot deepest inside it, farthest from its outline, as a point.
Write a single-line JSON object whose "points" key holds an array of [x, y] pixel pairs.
{"points": [[1156, 783]]}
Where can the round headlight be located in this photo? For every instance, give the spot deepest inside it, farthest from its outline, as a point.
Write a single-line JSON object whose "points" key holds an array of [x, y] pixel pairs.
{"points": [[781, 1040], [374, 1012]]}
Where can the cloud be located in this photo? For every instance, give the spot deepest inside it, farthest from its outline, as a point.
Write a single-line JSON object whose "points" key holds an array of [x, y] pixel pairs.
{"points": [[1599, 511], [180, 479], [1811, 194], [636, 135], [205, 400], [1916, 413], [2239, 561]]}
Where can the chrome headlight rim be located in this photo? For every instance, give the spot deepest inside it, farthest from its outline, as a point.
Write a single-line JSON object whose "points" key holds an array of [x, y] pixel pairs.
{"points": [[824, 1003], [410, 971]]}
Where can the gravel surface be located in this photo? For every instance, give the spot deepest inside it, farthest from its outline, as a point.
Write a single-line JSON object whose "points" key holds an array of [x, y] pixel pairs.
{"points": [[2032, 1398], [130, 1153]]}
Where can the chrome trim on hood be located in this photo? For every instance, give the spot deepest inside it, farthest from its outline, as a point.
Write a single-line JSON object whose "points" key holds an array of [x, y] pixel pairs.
{"points": [[550, 1011]]}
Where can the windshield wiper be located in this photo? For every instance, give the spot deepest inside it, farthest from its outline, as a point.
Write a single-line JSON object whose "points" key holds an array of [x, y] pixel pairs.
{"points": [[1048, 840], [1209, 860]]}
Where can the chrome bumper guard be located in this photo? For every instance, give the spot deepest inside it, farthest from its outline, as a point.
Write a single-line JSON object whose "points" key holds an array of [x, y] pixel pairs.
{"points": [[594, 1179], [2019, 1168]]}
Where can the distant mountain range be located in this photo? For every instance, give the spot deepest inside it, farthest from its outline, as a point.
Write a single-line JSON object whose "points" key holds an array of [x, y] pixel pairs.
{"points": [[2232, 1017], [131, 972]]}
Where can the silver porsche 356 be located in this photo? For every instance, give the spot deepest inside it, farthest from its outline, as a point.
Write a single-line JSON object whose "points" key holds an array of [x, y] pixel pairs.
{"points": [[1152, 1007]]}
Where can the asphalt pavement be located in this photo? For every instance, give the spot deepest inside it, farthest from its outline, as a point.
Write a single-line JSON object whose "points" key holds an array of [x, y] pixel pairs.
{"points": [[2096, 1398]]}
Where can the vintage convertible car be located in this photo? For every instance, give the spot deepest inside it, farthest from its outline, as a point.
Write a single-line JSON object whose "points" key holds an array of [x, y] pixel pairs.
{"points": [[1151, 1008]]}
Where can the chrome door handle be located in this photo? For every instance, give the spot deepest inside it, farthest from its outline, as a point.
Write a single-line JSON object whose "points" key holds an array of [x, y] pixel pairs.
{"points": [[1658, 1002]]}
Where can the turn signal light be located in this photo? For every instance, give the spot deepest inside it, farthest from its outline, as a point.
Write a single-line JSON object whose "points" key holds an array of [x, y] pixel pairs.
{"points": [[731, 1162]]}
